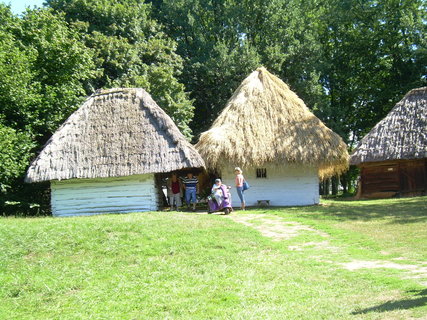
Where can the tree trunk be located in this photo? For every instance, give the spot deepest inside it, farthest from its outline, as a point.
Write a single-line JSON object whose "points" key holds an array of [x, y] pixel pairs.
{"points": [[326, 184], [344, 182], [335, 183]]}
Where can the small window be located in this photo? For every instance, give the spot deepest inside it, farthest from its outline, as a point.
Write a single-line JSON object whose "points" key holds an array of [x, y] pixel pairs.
{"points": [[261, 173]]}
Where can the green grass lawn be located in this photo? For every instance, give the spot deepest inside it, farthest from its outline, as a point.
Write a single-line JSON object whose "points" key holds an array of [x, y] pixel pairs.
{"points": [[251, 265]]}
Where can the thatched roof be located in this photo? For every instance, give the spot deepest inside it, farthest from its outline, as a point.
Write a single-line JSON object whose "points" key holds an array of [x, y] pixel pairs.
{"points": [[402, 134], [116, 132], [264, 122]]}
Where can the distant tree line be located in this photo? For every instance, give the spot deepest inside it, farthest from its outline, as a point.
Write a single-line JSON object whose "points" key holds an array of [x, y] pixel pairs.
{"points": [[349, 60]]}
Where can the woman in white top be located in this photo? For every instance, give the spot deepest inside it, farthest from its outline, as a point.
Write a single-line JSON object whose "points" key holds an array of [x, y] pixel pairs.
{"points": [[217, 192]]}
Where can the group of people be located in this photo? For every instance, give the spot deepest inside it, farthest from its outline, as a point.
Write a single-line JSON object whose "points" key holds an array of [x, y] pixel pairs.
{"points": [[190, 185], [218, 194]]}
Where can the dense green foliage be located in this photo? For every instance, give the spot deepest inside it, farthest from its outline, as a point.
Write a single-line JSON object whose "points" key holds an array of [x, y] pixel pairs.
{"points": [[190, 266], [373, 52], [15, 148], [44, 70], [350, 61], [131, 51]]}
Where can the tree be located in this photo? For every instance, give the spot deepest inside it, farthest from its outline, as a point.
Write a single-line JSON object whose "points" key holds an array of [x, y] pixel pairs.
{"points": [[15, 152], [349, 60], [44, 72], [216, 55], [223, 41], [373, 53], [45, 68], [131, 51]]}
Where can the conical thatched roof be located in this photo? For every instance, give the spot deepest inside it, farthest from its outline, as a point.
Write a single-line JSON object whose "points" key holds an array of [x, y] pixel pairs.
{"points": [[117, 132], [402, 134], [264, 122]]}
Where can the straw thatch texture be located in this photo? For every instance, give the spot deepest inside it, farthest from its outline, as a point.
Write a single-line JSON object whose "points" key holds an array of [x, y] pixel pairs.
{"points": [[402, 134], [116, 132], [264, 122]]}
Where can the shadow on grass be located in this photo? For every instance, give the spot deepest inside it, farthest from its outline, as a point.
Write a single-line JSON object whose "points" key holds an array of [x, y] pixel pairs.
{"points": [[408, 210], [420, 301]]}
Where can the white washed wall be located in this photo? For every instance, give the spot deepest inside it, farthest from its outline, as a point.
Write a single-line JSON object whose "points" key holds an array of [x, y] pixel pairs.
{"points": [[286, 186], [107, 195]]}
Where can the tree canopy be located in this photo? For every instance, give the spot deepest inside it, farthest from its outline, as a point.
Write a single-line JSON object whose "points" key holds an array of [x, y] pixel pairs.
{"points": [[350, 61], [131, 50]]}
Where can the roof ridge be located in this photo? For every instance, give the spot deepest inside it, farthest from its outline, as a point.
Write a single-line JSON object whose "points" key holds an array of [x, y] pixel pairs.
{"points": [[420, 90]]}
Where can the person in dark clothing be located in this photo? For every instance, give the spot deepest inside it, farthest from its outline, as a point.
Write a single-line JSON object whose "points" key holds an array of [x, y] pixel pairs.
{"points": [[191, 187], [174, 192]]}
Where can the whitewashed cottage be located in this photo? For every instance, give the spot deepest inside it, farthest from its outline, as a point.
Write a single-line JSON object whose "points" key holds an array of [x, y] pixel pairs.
{"points": [[105, 157], [282, 148]]}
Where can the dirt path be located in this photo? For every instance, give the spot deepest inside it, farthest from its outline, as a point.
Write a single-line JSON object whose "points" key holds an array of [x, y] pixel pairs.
{"points": [[412, 271], [278, 229], [274, 227]]}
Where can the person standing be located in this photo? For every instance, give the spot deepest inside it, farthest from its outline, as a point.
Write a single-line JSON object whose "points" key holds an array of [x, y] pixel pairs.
{"points": [[239, 186], [191, 188], [174, 192]]}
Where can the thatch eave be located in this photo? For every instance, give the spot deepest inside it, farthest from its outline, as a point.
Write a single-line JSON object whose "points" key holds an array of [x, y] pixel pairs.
{"points": [[115, 133]]}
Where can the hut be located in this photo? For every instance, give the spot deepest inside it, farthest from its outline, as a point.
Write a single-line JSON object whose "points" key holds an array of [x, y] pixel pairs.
{"points": [[393, 155], [106, 156], [282, 148]]}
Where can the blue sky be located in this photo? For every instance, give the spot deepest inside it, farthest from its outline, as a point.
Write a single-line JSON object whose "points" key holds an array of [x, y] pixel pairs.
{"points": [[18, 6]]}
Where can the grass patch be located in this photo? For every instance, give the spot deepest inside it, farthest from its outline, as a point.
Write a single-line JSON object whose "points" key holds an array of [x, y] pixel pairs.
{"points": [[392, 227], [188, 266]]}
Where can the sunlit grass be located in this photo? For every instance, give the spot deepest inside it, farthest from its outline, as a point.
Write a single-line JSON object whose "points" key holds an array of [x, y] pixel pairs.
{"points": [[190, 266], [397, 227]]}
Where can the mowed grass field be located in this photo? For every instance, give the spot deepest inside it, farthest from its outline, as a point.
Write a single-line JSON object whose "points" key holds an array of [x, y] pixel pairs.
{"points": [[338, 260]]}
